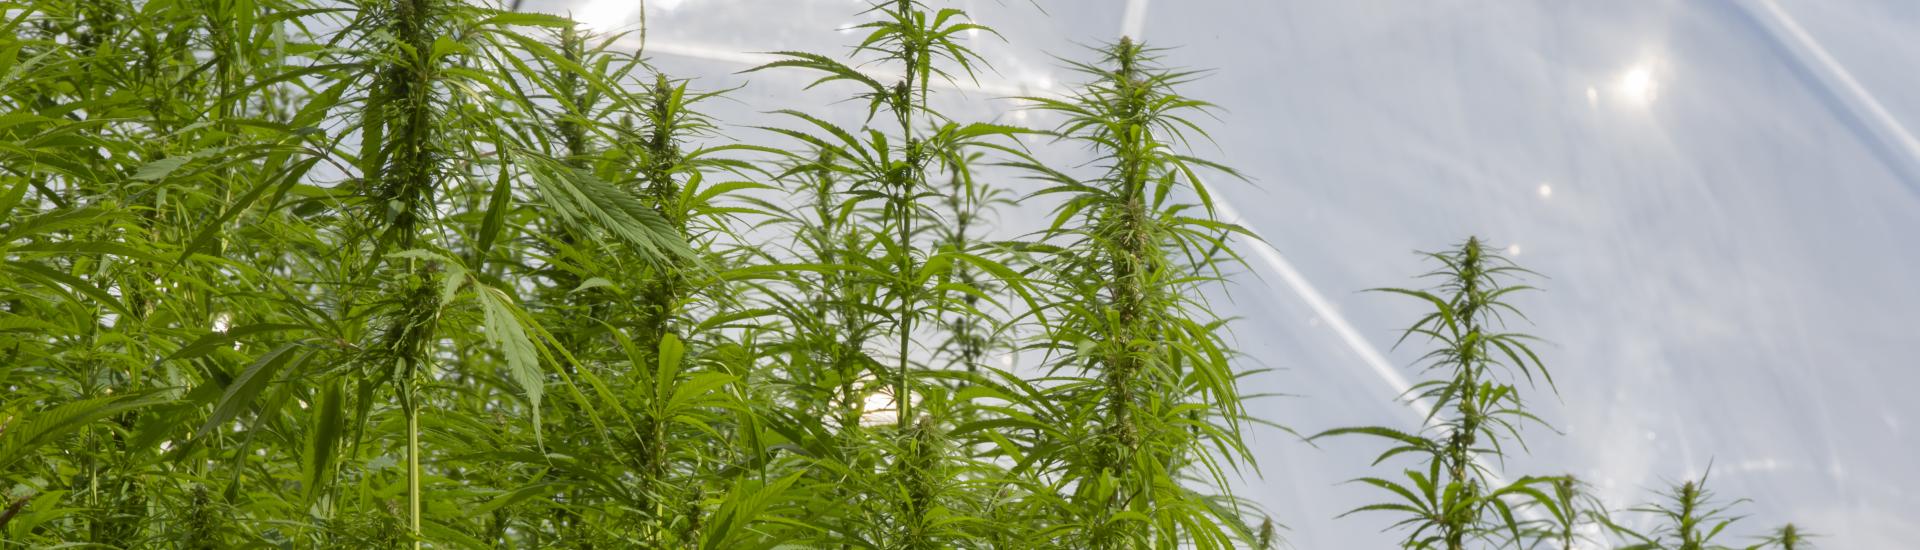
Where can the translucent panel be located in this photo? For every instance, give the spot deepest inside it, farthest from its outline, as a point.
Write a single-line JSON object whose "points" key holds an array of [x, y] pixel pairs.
{"points": [[1725, 196]]}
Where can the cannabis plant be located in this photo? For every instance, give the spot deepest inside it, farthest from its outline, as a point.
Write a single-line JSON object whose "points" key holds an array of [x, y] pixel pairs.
{"points": [[884, 276], [1687, 517], [1787, 537], [1454, 496], [1144, 412]]}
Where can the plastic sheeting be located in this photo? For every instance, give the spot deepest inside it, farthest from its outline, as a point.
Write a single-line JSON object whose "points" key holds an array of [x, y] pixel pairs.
{"points": [[1724, 194]]}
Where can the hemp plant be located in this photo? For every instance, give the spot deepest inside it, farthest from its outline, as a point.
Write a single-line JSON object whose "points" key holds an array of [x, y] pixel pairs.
{"points": [[421, 139], [1687, 518], [1786, 537], [972, 332], [130, 127], [1145, 413], [889, 170], [892, 275], [1456, 497]]}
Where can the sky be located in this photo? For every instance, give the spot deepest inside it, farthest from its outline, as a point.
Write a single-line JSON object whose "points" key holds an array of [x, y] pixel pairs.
{"points": [[1723, 197]]}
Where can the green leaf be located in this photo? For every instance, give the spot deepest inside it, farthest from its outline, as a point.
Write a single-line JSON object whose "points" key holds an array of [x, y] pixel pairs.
{"points": [[742, 506], [281, 181], [42, 428], [504, 331], [667, 371], [500, 201], [323, 439], [159, 169], [527, 19], [584, 201], [11, 198], [55, 278], [216, 340], [246, 387]]}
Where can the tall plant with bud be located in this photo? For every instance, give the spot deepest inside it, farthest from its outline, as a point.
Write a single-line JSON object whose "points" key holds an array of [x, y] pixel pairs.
{"points": [[1454, 497], [1146, 415]]}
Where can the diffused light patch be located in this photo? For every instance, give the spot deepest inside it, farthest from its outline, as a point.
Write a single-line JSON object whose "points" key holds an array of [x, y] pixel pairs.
{"points": [[607, 15], [1133, 21], [1768, 464], [878, 409], [1546, 191], [1589, 533], [1513, 250], [1637, 85]]}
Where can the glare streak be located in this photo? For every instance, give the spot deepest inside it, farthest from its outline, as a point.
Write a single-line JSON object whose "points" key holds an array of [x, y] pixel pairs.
{"points": [[1834, 75], [1134, 23]]}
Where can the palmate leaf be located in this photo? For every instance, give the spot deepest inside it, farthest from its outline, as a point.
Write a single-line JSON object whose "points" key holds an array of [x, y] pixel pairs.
{"points": [[58, 220], [160, 168], [876, 93], [1408, 442], [585, 201], [744, 504], [504, 330], [247, 386], [505, 325], [10, 198], [43, 427]]}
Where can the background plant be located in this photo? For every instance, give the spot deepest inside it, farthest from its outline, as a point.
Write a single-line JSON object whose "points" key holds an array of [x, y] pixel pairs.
{"points": [[1454, 497]]}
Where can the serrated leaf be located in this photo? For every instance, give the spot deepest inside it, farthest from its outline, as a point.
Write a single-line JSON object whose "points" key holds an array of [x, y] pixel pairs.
{"points": [[159, 169], [44, 427], [246, 387], [504, 331]]}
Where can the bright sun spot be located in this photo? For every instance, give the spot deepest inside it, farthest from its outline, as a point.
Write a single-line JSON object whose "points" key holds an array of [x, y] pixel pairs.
{"points": [[1637, 85], [1546, 191]]}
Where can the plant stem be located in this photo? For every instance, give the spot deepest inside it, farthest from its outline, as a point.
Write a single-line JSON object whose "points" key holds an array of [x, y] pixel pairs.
{"points": [[909, 184], [413, 468], [1131, 260], [1467, 356]]}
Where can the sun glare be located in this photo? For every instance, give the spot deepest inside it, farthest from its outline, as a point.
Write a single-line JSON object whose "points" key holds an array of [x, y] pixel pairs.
{"points": [[1637, 85]]}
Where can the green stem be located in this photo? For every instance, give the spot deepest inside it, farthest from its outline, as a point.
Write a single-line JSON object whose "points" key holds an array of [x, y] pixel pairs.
{"points": [[413, 467], [904, 210], [1460, 442]]}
